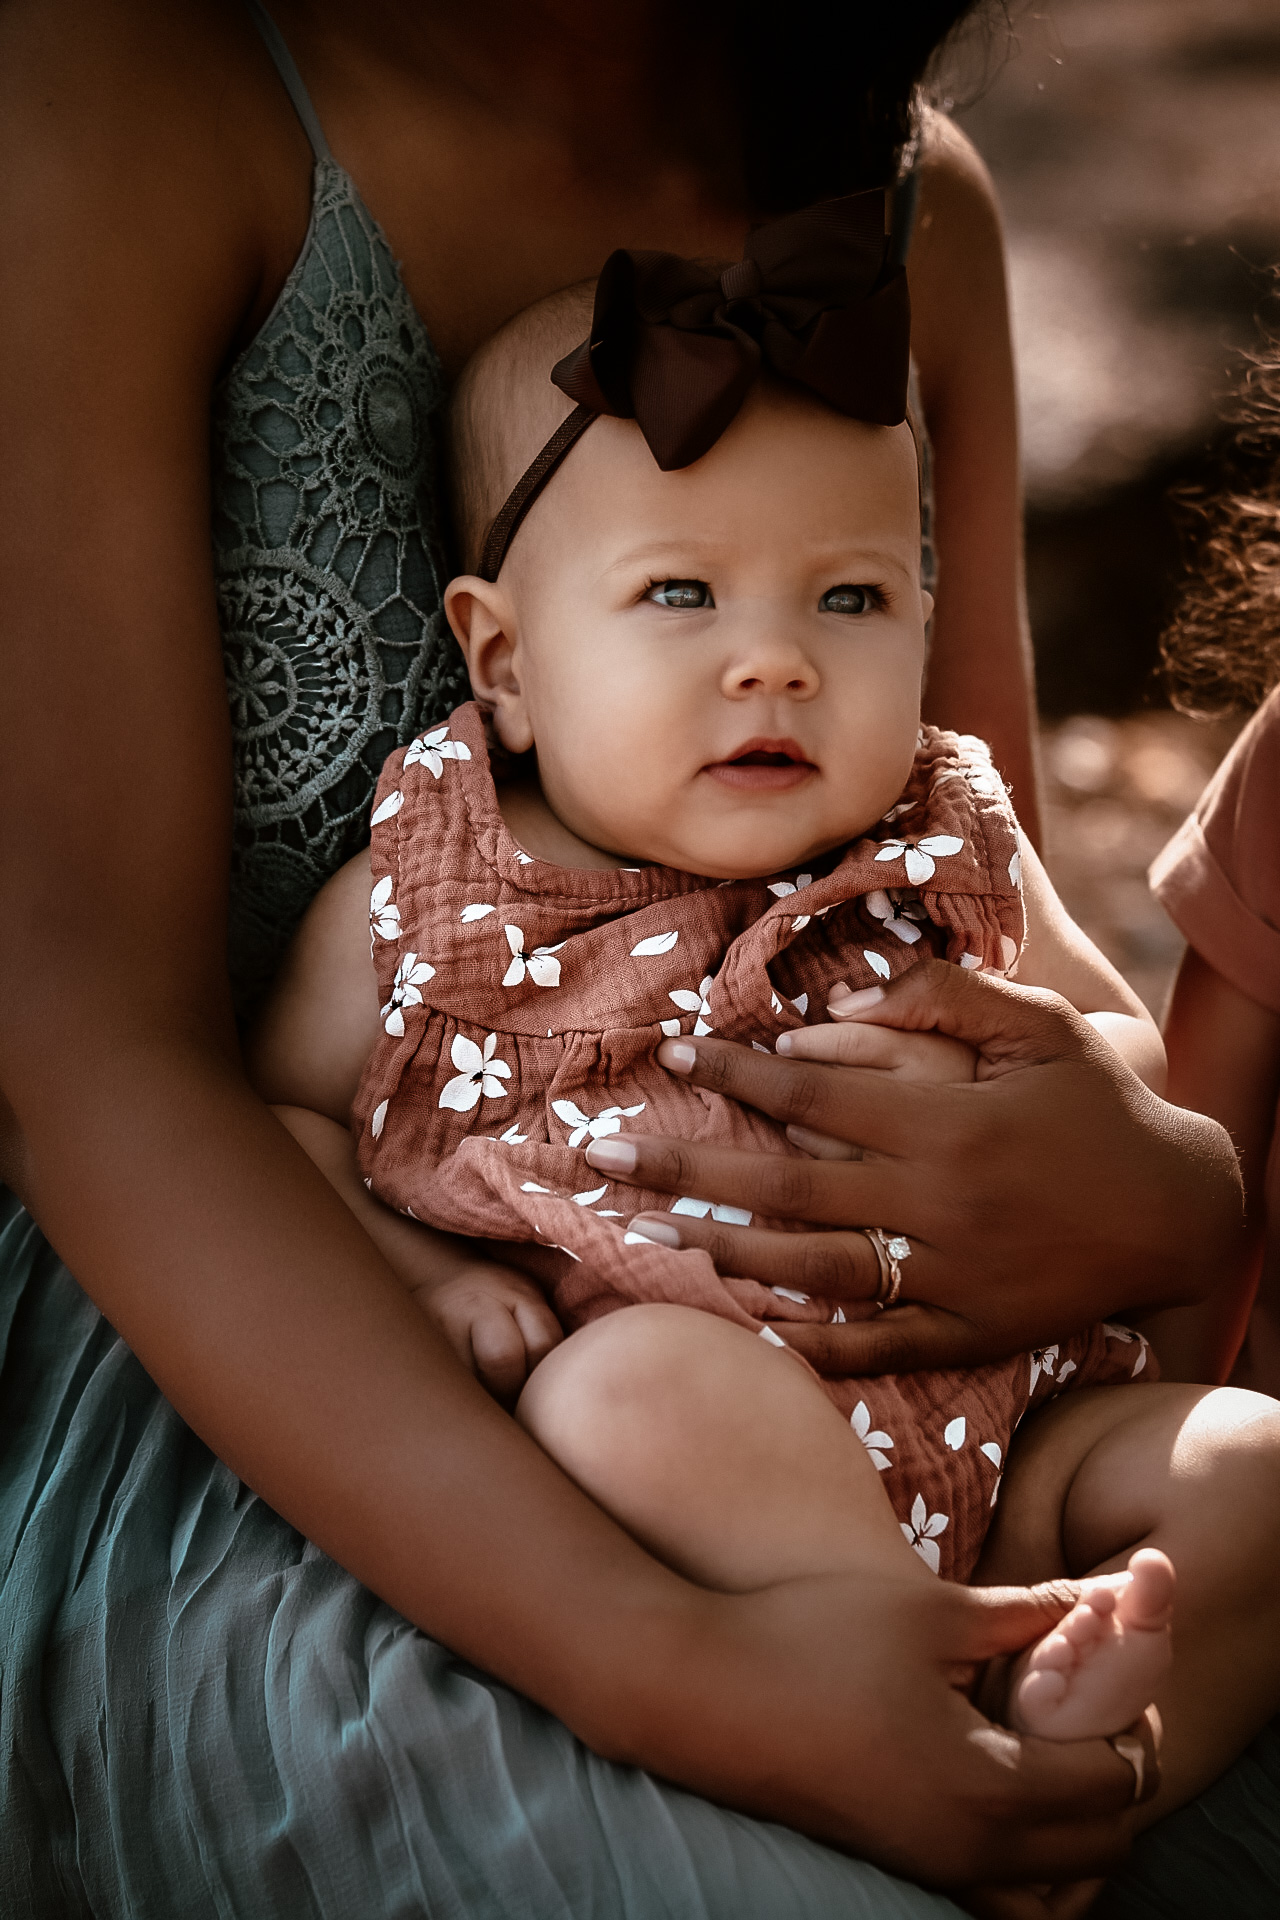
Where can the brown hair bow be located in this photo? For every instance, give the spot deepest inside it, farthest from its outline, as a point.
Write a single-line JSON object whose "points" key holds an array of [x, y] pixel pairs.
{"points": [[676, 344]]}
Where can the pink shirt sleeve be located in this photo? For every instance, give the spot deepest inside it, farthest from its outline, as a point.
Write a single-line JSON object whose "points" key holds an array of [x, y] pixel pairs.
{"points": [[1219, 877]]}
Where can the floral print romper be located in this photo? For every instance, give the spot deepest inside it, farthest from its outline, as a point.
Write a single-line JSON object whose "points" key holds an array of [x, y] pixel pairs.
{"points": [[522, 1006]]}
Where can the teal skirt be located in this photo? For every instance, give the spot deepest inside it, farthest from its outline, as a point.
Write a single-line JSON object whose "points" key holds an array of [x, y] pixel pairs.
{"points": [[201, 1715]]}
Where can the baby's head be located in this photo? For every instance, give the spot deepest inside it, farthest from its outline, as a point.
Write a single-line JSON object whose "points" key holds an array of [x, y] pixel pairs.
{"points": [[719, 666]]}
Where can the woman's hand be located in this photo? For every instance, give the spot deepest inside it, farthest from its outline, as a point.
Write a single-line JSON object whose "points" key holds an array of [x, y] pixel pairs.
{"points": [[1052, 1191], [878, 1748]]}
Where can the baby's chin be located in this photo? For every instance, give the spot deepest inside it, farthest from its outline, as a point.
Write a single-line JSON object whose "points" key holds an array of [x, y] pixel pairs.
{"points": [[748, 854]]}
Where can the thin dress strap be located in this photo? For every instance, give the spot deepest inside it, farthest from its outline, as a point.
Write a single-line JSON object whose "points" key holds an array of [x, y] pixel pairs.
{"points": [[291, 77]]}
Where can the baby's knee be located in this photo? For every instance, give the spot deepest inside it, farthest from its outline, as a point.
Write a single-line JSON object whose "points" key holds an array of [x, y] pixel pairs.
{"points": [[609, 1383]]}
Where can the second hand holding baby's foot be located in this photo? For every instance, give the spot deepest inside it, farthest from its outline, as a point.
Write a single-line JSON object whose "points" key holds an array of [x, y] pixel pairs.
{"points": [[1101, 1666]]}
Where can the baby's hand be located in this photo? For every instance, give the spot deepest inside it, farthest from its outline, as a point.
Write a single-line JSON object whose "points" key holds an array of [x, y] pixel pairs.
{"points": [[497, 1323]]}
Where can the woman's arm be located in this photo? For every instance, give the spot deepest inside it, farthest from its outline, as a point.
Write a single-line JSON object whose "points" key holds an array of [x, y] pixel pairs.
{"points": [[1224, 1060], [980, 677]]}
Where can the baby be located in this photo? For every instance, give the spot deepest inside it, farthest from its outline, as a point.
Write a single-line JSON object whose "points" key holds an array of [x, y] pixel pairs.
{"points": [[692, 795]]}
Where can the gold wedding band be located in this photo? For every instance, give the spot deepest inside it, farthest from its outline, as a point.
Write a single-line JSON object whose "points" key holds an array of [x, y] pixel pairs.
{"points": [[891, 1249]]}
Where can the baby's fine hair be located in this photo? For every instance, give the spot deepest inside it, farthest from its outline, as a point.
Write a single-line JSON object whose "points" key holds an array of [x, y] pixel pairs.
{"points": [[505, 408], [1222, 650]]}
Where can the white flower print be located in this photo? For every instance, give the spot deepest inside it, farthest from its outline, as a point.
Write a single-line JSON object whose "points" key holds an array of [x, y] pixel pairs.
{"points": [[872, 1439], [920, 857], [589, 1198], [1015, 869], [1043, 1360], [539, 965], [656, 943], [970, 961], [584, 1127], [789, 1293], [691, 1002], [992, 1452], [411, 974], [478, 1073], [896, 813], [800, 1003], [783, 888], [526, 860], [432, 749], [699, 1209], [476, 911], [512, 1138], [379, 1119], [955, 1431], [877, 963], [881, 907], [388, 810], [923, 1532], [384, 914]]}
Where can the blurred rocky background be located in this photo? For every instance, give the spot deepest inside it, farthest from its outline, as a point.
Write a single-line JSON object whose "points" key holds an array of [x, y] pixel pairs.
{"points": [[1135, 145]]}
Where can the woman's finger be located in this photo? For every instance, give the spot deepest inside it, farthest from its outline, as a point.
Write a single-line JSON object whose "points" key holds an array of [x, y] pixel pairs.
{"points": [[825, 1266], [877, 1111], [789, 1187], [905, 1339], [820, 1146], [1009, 1024]]}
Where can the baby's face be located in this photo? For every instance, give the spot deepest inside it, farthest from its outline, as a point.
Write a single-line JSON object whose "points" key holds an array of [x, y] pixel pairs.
{"points": [[720, 667]]}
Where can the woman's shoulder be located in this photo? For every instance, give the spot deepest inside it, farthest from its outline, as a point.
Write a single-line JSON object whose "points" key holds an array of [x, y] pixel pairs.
{"points": [[156, 133]]}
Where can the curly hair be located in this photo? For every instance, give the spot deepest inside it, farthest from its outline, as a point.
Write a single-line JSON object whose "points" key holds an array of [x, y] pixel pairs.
{"points": [[1222, 651]]}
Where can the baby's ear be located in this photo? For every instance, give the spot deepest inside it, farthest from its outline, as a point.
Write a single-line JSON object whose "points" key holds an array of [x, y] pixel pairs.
{"points": [[483, 619]]}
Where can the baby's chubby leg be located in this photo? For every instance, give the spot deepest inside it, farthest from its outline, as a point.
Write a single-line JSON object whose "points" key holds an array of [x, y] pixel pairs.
{"points": [[714, 1448], [1116, 1477]]}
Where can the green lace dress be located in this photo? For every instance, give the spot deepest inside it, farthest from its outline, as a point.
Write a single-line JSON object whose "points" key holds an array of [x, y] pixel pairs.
{"points": [[200, 1714]]}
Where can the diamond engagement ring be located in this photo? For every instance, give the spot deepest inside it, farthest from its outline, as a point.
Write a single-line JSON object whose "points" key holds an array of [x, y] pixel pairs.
{"points": [[891, 1250]]}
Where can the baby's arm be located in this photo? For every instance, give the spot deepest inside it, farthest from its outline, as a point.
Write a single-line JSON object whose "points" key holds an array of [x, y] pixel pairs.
{"points": [[305, 1057], [1059, 956]]}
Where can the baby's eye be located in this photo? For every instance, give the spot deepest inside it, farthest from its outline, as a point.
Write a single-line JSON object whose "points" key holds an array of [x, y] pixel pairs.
{"points": [[848, 600], [681, 593]]}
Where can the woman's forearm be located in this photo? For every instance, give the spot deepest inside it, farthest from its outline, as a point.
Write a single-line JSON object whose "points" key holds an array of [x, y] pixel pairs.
{"points": [[252, 1296]]}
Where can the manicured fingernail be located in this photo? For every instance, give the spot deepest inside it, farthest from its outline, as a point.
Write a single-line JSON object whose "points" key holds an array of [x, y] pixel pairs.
{"points": [[661, 1232], [843, 1005], [612, 1156], [678, 1055]]}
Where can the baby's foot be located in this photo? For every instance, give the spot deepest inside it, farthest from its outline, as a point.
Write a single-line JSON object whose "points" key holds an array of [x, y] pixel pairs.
{"points": [[1101, 1665]]}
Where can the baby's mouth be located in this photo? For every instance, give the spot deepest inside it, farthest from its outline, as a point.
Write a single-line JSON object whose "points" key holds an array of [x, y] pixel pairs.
{"points": [[763, 766]]}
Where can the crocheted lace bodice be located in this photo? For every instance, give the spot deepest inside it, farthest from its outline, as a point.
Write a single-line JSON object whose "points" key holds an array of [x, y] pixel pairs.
{"points": [[327, 564]]}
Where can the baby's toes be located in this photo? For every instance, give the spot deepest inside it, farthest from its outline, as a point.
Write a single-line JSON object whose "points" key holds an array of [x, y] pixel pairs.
{"points": [[1038, 1692], [1055, 1653], [1085, 1625]]}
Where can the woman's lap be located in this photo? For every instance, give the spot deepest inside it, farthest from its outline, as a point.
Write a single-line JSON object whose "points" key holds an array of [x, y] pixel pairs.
{"points": [[200, 1713]]}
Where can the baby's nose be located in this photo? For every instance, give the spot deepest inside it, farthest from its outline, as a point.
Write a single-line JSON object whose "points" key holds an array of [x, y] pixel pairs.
{"points": [[777, 666]]}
